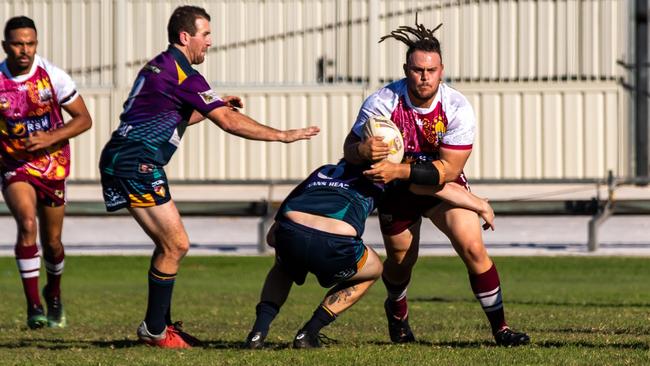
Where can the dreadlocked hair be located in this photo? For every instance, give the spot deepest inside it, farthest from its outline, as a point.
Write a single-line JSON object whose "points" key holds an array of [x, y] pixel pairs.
{"points": [[423, 38]]}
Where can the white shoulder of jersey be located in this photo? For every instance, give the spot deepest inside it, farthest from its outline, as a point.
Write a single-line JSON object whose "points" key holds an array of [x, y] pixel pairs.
{"points": [[461, 121], [64, 87], [380, 103]]}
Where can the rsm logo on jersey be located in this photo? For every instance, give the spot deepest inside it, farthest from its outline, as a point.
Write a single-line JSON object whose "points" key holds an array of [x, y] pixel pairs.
{"points": [[25, 126]]}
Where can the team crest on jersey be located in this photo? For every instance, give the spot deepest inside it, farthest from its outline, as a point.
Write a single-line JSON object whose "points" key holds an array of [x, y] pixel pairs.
{"points": [[209, 96], [44, 93], [434, 130]]}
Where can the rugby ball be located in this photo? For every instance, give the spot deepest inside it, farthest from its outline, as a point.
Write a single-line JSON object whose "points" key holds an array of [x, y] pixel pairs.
{"points": [[384, 127]]}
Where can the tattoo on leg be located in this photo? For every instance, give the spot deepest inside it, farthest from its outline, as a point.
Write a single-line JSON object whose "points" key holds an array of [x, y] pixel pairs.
{"points": [[342, 295]]}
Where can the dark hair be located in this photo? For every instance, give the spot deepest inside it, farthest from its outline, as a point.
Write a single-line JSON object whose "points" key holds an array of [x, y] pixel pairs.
{"points": [[18, 22], [424, 38], [182, 20]]}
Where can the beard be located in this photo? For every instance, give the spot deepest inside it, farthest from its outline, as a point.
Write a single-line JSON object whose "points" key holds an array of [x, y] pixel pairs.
{"points": [[423, 94]]}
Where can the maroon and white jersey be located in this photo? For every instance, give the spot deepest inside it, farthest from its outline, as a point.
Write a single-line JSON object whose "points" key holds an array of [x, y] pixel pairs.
{"points": [[449, 122], [30, 103]]}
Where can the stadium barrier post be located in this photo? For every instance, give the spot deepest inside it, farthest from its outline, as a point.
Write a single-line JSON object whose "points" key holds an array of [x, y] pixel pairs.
{"points": [[602, 214]]}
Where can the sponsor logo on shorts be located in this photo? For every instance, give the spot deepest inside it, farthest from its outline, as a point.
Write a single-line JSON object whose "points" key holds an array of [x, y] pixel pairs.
{"points": [[159, 187], [58, 193], [385, 218], [113, 198], [145, 168], [10, 174], [345, 274]]}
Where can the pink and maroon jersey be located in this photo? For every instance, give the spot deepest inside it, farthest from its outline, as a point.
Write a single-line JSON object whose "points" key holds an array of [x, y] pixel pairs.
{"points": [[448, 123], [30, 103]]}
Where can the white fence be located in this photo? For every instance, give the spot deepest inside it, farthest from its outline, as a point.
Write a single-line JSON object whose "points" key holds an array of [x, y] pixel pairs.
{"points": [[542, 77]]}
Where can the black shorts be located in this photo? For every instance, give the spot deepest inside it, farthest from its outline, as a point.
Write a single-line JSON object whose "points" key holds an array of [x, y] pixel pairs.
{"points": [[134, 192], [332, 258]]}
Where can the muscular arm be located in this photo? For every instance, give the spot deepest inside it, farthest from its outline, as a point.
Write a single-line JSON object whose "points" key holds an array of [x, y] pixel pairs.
{"points": [[80, 122], [233, 102], [458, 196], [454, 162], [239, 124]]}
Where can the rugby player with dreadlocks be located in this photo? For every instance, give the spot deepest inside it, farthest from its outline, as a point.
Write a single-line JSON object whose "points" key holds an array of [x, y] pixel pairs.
{"points": [[438, 126]]}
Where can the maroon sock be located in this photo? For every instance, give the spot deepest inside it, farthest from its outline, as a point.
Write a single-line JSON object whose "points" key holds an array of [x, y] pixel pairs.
{"points": [[396, 301], [29, 265], [487, 289], [54, 268]]}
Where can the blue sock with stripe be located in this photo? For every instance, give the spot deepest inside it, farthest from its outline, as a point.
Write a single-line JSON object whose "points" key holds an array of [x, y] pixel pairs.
{"points": [[321, 318], [161, 286]]}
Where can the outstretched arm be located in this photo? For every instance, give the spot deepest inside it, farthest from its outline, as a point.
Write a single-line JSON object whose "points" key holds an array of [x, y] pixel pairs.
{"points": [[233, 102], [458, 196], [239, 124]]}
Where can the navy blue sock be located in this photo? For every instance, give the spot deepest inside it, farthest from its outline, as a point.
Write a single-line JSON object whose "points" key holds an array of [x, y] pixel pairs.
{"points": [[266, 312], [161, 286], [321, 318]]}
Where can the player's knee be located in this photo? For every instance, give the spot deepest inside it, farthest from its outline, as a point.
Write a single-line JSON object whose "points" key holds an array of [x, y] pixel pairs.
{"points": [[402, 258], [27, 226], [474, 252], [175, 250], [183, 248], [53, 244]]}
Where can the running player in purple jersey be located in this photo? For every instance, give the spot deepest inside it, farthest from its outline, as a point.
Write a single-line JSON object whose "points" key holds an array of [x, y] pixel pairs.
{"points": [[35, 161], [167, 96], [438, 126]]}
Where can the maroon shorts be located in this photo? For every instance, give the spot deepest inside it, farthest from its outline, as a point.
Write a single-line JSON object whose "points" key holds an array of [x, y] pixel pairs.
{"points": [[399, 209], [48, 192]]}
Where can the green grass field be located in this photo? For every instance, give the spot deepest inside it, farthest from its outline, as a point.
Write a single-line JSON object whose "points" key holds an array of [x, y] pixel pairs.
{"points": [[583, 311]]}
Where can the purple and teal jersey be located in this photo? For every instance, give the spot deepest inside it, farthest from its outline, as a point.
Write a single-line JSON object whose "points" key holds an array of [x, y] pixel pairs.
{"points": [[164, 95], [336, 191]]}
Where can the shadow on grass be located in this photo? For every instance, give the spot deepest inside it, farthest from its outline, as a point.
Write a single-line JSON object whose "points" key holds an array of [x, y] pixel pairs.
{"points": [[591, 330], [585, 344], [536, 303], [64, 344], [60, 344]]}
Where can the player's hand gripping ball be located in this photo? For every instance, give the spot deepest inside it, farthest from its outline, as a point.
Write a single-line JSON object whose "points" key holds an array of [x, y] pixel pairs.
{"points": [[384, 127]]}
